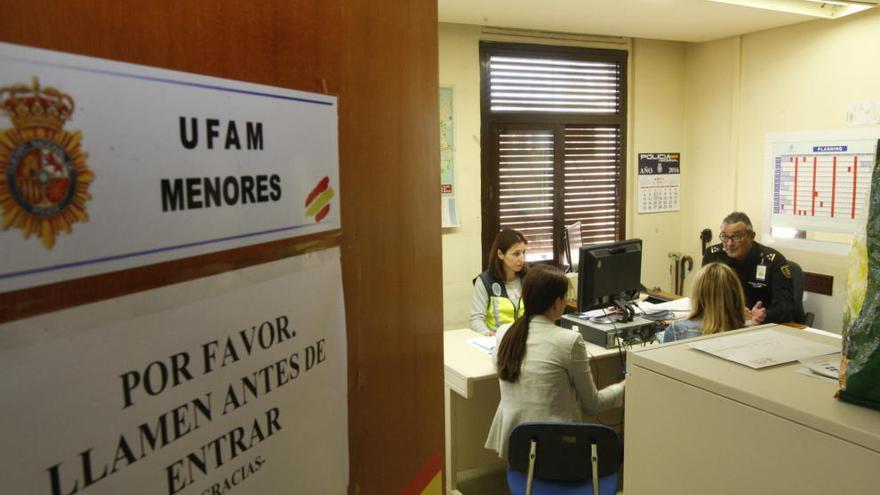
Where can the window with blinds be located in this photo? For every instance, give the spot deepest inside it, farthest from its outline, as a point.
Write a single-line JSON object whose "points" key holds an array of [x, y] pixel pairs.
{"points": [[525, 187], [554, 122], [592, 182], [528, 84]]}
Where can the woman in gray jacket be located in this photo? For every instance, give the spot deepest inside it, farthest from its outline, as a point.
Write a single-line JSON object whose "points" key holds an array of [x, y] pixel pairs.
{"points": [[543, 369]]}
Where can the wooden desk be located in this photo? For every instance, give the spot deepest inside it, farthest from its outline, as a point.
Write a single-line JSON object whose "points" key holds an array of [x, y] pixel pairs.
{"points": [[696, 423], [472, 396]]}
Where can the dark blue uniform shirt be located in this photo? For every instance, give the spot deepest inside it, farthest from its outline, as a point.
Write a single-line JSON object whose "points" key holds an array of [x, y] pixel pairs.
{"points": [[765, 276]]}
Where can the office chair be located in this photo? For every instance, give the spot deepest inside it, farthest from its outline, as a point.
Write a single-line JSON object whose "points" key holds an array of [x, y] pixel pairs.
{"points": [[563, 459], [797, 283]]}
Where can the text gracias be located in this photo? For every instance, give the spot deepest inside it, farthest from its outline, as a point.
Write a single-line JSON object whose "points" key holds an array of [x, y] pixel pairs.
{"points": [[192, 193]]}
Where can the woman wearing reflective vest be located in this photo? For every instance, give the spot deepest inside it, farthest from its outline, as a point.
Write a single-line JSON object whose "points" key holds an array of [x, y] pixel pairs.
{"points": [[498, 290]]}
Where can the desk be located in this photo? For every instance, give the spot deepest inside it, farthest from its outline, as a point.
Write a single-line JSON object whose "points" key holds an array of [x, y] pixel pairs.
{"points": [[472, 395], [696, 423]]}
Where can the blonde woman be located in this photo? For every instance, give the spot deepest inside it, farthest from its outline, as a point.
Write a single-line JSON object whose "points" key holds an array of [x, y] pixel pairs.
{"points": [[717, 305]]}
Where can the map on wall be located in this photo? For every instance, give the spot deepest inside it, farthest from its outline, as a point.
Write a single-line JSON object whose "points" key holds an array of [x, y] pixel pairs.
{"points": [[447, 159]]}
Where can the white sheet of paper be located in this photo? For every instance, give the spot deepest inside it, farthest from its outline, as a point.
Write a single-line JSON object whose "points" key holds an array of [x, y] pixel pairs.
{"points": [[485, 344], [824, 365], [762, 348], [806, 372], [683, 305]]}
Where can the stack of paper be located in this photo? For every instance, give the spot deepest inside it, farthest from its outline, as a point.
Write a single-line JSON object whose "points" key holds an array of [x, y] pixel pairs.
{"points": [[682, 306]]}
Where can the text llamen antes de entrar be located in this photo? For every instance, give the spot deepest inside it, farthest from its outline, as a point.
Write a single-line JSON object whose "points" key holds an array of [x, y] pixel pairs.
{"points": [[178, 422]]}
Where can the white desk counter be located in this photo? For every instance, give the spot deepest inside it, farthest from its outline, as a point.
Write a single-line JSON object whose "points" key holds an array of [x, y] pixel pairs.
{"points": [[696, 423], [472, 395], [464, 364]]}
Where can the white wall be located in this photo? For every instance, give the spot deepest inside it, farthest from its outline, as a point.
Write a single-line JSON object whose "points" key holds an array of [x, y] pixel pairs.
{"points": [[656, 94], [788, 79]]}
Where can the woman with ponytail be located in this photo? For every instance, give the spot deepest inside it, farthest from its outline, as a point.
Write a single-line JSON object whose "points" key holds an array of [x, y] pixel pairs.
{"points": [[543, 369]]}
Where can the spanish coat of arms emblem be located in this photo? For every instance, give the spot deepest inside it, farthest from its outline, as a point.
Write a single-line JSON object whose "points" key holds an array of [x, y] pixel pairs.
{"points": [[44, 179]]}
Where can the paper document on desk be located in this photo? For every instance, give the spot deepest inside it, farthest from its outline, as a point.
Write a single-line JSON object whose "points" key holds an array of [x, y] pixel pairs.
{"points": [[678, 305], [824, 365], [763, 348], [485, 344], [680, 309]]}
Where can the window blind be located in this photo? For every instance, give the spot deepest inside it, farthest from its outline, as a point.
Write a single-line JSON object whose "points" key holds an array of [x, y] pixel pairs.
{"points": [[525, 192], [553, 144], [530, 84], [592, 184]]}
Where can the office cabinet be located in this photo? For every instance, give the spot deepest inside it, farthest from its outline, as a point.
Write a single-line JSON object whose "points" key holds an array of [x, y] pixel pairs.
{"points": [[696, 423]]}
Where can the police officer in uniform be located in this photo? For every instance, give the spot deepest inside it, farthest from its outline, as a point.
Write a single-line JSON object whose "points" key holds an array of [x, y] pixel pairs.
{"points": [[497, 293], [763, 271]]}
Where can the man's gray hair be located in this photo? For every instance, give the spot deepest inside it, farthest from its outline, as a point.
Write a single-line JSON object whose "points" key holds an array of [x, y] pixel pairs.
{"points": [[737, 217]]}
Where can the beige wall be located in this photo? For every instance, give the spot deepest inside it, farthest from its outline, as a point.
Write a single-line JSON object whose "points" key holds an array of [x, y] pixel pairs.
{"points": [[789, 79], [656, 125], [657, 119], [460, 69], [714, 102], [711, 80]]}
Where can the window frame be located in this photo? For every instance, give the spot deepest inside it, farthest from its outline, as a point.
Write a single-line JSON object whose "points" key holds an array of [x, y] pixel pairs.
{"points": [[492, 124]]}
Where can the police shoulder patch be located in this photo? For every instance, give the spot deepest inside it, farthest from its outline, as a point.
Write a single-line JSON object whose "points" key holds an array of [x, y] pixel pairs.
{"points": [[786, 270]]}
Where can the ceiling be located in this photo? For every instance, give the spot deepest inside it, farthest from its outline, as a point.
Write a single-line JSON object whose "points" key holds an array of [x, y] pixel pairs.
{"points": [[679, 20]]}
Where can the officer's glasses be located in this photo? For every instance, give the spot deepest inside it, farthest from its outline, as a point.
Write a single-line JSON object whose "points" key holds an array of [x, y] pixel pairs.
{"points": [[733, 238]]}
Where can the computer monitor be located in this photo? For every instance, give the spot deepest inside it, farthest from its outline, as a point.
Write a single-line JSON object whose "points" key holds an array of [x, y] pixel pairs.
{"points": [[610, 275], [573, 245]]}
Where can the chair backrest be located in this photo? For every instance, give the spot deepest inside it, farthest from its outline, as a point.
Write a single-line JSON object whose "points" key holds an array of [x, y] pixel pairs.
{"points": [[797, 283], [564, 450]]}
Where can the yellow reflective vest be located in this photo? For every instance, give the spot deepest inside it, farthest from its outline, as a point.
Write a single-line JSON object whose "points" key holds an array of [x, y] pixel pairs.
{"points": [[501, 309]]}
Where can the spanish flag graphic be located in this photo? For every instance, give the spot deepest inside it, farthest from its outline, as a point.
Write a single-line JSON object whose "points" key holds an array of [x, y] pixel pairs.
{"points": [[318, 201]]}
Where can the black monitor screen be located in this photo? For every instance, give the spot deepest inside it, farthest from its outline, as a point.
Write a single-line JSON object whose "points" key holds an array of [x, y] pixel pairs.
{"points": [[573, 245], [608, 273]]}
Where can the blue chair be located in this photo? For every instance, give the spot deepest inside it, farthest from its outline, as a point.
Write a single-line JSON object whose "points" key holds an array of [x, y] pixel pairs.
{"points": [[563, 459]]}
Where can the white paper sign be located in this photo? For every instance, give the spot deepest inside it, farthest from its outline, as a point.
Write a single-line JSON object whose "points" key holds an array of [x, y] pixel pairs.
{"points": [[229, 384], [107, 165]]}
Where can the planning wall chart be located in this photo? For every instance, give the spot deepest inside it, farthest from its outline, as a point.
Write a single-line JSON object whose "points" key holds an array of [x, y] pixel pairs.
{"points": [[820, 183]]}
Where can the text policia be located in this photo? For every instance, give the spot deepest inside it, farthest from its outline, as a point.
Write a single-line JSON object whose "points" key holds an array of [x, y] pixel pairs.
{"points": [[93, 465]]}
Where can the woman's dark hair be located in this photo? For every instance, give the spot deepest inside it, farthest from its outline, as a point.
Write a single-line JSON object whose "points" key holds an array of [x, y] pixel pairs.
{"points": [[542, 287], [503, 241]]}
